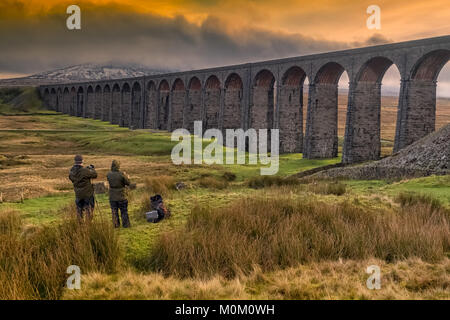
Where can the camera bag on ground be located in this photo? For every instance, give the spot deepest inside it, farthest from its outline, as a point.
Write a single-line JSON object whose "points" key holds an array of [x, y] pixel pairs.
{"points": [[159, 211]]}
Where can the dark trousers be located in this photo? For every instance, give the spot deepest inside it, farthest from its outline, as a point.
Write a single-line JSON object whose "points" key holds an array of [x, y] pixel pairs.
{"points": [[123, 207], [85, 205]]}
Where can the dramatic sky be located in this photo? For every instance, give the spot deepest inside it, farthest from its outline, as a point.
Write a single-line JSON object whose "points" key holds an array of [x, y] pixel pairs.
{"points": [[186, 34]]}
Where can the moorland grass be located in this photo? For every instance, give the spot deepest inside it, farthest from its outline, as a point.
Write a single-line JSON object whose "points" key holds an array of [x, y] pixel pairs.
{"points": [[281, 232], [34, 260]]}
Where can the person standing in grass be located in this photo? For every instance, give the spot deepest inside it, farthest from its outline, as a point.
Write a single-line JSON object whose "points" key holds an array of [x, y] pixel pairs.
{"points": [[84, 190], [118, 181]]}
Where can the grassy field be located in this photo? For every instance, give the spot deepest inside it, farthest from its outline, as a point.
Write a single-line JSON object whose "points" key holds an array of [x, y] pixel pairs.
{"points": [[277, 238]]}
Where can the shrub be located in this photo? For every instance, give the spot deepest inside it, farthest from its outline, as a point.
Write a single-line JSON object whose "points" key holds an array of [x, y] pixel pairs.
{"points": [[283, 232], [33, 264], [259, 182], [336, 188], [163, 185], [229, 176], [212, 183]]}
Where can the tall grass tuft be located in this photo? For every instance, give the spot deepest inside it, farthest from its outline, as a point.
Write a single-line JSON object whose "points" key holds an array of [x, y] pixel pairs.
{"points": [[407, 199], [259, 182], [334, 187], [282, 232], [33, 264], [163, 185]]}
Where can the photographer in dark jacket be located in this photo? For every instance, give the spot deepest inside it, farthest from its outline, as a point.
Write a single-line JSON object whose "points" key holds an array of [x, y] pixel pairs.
{"points": [[118, 181], [84, 190]]}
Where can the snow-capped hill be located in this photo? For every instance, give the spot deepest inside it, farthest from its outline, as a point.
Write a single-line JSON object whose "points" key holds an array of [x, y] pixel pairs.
{"points": [[84, 72]]}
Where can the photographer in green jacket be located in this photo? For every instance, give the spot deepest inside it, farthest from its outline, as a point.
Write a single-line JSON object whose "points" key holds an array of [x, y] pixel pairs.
{"points": [[84, 190], [118, 182]]}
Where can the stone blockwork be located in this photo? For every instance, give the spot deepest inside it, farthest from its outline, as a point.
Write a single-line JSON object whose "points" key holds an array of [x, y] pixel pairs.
{"points": [[363, 139], [106, 104], [291, 118], [321, 127], [151, 108], [269, 95]]}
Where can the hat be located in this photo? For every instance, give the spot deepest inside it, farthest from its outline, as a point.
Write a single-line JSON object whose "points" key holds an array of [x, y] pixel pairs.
{"points": [[78, 159], [115, 165]]}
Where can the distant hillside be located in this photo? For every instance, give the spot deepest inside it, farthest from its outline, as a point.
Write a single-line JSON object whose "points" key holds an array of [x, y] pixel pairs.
{"points": [[84, 72]]}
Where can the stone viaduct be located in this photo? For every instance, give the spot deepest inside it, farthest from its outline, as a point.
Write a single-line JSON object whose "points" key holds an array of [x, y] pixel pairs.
{"points": [[269, 94]]}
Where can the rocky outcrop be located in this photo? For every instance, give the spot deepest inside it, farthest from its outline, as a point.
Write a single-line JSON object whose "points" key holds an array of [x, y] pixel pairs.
{"points": [[428, 156]]}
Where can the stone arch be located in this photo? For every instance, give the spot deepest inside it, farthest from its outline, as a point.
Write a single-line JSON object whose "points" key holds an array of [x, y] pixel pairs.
{"points": [[178, 102], [136, 106], [116, 98], [193, 110], [106, 104], [212, 102], [98, 102], [374, 69], [291, 110], [125, 105], [363, 126], [232, 111], [428, 67], [163, 105], [330, 73], [417, 114], [262, 110], [321, 139], [151, 108], [90, 103]]}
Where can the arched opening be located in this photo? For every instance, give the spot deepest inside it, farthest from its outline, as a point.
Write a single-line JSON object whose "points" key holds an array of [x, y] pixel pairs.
{"points": [[193, 110], [59, 100], [363, 139], [53, 99], [136, 106], [263, 106], [291, 110], [98, 103], [90, 105], [46, 98], [116, 104], [163, 105], [66, 101], [178, 101], [80, 101], [418, 111], [390, 94], [107, 112], [232, 111], [443, 97], [262, 110], [212, 103], [152, 101], [321, 139], [125, 106], [73, 101]]}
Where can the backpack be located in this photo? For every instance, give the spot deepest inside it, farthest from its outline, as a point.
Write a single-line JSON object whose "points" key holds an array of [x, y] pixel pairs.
{"points": [[159, 211]]}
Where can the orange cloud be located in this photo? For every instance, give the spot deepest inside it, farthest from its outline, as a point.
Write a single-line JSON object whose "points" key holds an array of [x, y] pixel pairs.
{"points": [[342, 20]]}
